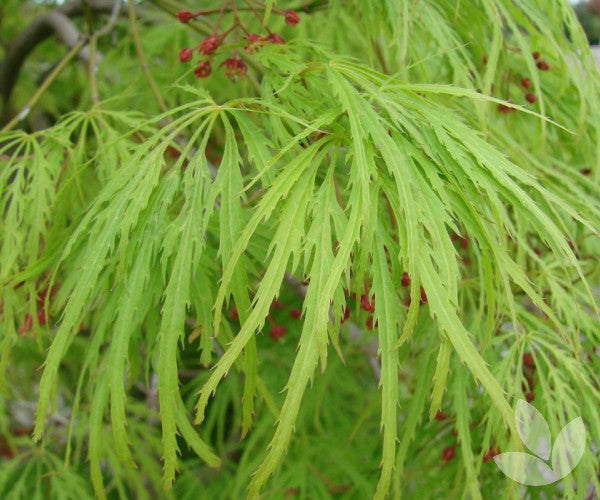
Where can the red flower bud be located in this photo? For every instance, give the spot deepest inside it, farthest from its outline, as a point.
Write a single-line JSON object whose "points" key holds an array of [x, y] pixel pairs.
{"points": [[440, 415], [585, 171], [543, 65], [536, 55], [530, 396], [277, 332], [405, 280], [234, 67], [209, 45], [203, 69], [185, 55], [448, 454], [526, 82], [234, 313], [296, 313], [491, 453], [185, 16], [254, 42], [365, 305], [275, 38], [41, 317], [423, 299], [531, 97], [292, 18], [528, 359], [277, 304], [503, 108]]}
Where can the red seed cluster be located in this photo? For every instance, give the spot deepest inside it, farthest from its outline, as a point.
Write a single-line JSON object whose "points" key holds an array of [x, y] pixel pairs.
{"points": [[234, 66], [185, 16], [209, 45], [526, 83], [491, 453], [365, 304], [530, 97], [543, 65], [528, 360], [296, 313], [275, 38], [292, 18], [185, 54], [203, 70], [277, 332], [503, 108], [422, 298], [405, 280], [448, 454], [440, 415]]}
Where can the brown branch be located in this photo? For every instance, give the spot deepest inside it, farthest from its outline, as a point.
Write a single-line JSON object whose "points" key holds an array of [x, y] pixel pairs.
{"points": [[41, 28]]}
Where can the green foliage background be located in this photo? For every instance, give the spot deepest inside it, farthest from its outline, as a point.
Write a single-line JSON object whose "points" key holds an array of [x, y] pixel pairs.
{"points": [[346, 157]]}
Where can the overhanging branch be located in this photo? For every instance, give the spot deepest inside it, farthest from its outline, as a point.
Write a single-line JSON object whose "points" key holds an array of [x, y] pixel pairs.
{"points": [[56, 21]]}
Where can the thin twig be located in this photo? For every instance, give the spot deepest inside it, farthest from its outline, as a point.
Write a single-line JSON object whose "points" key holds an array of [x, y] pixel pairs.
{"points": [[92, 68], [142, 57], [112, 21]]}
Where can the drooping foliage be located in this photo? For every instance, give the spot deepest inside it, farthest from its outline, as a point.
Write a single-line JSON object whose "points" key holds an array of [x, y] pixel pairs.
{"points": [[334, 276]]}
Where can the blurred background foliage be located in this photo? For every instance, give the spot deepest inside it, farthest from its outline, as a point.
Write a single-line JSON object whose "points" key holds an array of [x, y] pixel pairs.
{"points": [[336, 450]]}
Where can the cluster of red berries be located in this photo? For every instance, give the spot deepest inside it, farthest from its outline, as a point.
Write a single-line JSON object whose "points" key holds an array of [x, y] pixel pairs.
{"points": [[530, 97], [276, 331], [367, 302], [448, 453], [234, 66]]}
